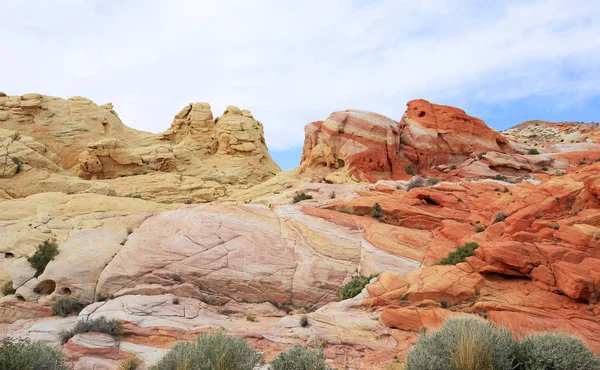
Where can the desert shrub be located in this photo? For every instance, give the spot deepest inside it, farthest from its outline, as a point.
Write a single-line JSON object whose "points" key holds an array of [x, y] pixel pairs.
{"points": [[598, 159], [376, 211], [581, 162], [348, 210], [300, 197], [131, 362], [415, 182], [300, 358], [43, 255], [479, 228], [500, 177], [411, 169], [555, 352], [250, 317], [432, 181], [211, 352], [304, 321], [460, 254], [354, 287], [114, 328], [7, 288], [480, 155], [66, 305], [500, 216], [544, 168], [533, 151], [176, 277], [23, 354], [175, 300], [463, 344], [453, 167], [332, 195]]}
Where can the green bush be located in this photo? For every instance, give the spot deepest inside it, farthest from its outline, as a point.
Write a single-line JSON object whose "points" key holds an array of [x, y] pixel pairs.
{"points": [[555, 352], [354, 287], [211, 352], [464, 344], [533, 151], [66, 305], [453, 167], [432, 181], [499, 216], [300, 358], [7, 288], [415, 182], [43, 255], [479, 228], [300, 197], [131, 362], [376, 211], [460, 254], [304, 321], [113, 327], [332, 195], [411, 169], [348, 210], [23, 354]]}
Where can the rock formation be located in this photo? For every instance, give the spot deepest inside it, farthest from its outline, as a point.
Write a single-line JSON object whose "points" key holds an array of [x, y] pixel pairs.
{"points": [[369, 147], [49, 141], [169, 272]]}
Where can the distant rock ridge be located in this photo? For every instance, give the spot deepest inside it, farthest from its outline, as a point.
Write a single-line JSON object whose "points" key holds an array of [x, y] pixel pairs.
{"points": [[370, 147], [196, 159]]}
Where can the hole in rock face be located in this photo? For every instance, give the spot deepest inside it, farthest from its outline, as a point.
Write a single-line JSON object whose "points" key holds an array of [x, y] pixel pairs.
{"points": [[9, 255], [45, 287], [341, 163], [422, 114], [65, 291], [20, 297], [428, 200]]}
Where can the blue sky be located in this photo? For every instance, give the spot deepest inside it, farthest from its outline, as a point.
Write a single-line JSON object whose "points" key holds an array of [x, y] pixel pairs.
{"points": [[293, 62]]}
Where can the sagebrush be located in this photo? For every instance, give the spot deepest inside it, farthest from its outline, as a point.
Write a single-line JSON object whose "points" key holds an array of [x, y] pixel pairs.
{"points": [[43, 255], [460, 254], [464, 344], [555, 351], [23, 354], [66, 305], [114, 328], [211, 352], [355, 286], [300, 358], [300, 197]]}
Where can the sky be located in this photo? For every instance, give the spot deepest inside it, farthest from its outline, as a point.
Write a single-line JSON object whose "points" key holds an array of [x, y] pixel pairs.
{"points": [[294, 62]]}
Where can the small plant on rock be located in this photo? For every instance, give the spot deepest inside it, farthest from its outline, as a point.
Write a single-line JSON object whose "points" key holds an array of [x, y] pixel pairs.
{"points": [[479, 228], [533, 151], [453, 167], [354, 287], [376, 211], [304, 321], [7, 288], [432, 181], [581, 162], [43, 255], [66, 305], [460, 254], [500, 216], [175, 300], [131, 362], [332, 195], [114, 328], [300, 358], [411, 169], [415, 182], [300, 197]]}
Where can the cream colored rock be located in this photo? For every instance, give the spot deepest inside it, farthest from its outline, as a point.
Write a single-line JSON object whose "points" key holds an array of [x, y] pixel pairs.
{"points": [[81, 140]]}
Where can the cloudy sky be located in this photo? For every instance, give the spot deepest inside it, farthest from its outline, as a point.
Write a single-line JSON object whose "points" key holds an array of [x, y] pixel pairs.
{"points": [[293, 62]]}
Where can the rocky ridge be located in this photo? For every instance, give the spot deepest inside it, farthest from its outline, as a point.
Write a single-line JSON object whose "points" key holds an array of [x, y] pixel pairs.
{"points": [[172, 271], [53, 144]]}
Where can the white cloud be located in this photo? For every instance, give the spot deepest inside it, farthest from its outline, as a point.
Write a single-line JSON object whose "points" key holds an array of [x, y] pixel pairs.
{"points": [[294, 62]]}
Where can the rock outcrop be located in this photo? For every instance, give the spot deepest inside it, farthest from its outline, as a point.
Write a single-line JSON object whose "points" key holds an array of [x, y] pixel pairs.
{"points": [[62, 141], [369, 147]]}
